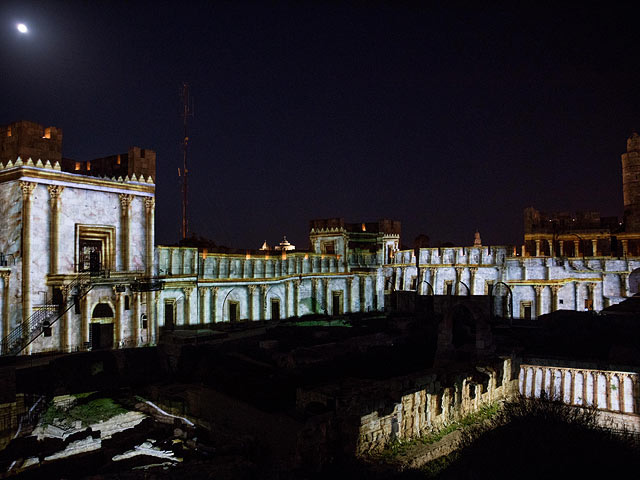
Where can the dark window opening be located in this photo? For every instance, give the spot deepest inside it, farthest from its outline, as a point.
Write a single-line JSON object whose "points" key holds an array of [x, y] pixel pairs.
{"points": [[275, 309], [90, 259], [168, 315], [46, 329], [127, 302]]}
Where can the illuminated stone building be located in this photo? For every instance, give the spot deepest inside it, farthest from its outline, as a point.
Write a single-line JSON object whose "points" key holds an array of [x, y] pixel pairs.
{"points": [[340, 274], [76, 246]]}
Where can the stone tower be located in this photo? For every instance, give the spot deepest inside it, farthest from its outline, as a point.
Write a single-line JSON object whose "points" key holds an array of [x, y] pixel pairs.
{"points": [[631, 183]]}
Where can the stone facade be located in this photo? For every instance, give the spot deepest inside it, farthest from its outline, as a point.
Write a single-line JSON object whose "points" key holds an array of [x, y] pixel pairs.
{"points": [[55, 225], [532, 286], [205, 288]]}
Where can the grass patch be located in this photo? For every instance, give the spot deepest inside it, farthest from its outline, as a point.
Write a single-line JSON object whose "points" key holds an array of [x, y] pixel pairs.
{"points": [[88, 413]]}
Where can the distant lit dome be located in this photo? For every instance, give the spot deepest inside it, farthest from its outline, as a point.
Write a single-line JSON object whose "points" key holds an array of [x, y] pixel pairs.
{"points": [[265, 246], [285, 245]]}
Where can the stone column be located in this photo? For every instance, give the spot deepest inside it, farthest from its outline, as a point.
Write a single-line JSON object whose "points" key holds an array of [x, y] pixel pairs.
{"points": [[550, 242], [263, 301], [212, 300], [152, 304], [287, 288], [576, 248], [348, 294], [561, 247], [539, 290], [314, 294], [554, 297], [6, 323], [54, 202], [125, 224], [117, 327], [296, 297], [27, 189], [327, 304], [625, 247], [150, 222], [136, 324], [624, 286], [362, 294], [472, 281], [576, 291], [187, 305], [594, 246], [432, 278], [459, 272], [85, 319], [538, 247], [251, 290], [202, 292]]}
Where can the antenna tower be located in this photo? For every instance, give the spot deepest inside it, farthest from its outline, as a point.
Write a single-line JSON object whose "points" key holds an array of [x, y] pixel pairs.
{"points": [[187, 111]]}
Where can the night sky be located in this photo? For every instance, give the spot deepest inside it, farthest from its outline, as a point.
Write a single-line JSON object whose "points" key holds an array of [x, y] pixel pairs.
{"points": [[447, 118]]}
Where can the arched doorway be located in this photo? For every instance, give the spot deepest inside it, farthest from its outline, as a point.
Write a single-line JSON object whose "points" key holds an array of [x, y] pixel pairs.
{"points": [[101, 328], [634, 282]]}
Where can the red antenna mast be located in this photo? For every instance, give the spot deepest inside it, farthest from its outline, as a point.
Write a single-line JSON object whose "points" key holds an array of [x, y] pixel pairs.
{"points": [[187, 111]]}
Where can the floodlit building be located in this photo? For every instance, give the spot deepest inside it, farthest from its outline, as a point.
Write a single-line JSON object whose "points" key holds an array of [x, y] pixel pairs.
{"points": [[76, 246]]}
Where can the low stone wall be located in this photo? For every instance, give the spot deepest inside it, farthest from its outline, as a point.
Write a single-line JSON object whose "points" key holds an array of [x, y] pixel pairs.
{"points": [[436, 405]]}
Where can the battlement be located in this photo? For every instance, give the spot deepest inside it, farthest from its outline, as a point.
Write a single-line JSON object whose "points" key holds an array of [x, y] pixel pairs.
{"points": [[30, 140]]}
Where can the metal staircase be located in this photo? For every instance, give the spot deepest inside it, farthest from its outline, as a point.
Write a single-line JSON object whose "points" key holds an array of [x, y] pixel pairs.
{"points": [[25, 333]]}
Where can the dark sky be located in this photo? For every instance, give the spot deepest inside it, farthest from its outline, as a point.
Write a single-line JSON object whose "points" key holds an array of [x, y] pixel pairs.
{"points": [[447, 118]]}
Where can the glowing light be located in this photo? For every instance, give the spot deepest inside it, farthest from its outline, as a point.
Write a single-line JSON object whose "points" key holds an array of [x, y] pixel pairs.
{"points": [[22, 28]]}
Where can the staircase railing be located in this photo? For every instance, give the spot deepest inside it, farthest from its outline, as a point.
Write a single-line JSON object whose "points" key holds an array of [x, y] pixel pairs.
{"points": [[27, 331]]}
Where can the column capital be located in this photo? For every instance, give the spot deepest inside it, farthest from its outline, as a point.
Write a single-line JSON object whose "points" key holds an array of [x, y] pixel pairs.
{"points": [[263, 289], [125, 200], [554, 289], [55, 191], [202, 292], [214, 290], [538, 289], [314, 282], [297, 282], [5, 276], [27, 188], [473, 270], [149, 203], [187, 292], [251, 289]]}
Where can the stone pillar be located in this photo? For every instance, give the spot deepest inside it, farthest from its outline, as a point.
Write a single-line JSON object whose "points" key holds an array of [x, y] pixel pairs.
{"points": [[554, 297], [136, 324], [550, 242], [65, 328], [202, 292], [263, 301], [327, 304], [213, 302], [624, 285], [152, 304], [296, 297], [523, 250], [459, 272], [594, 246], [6, 323], [27, 189], [348, 294], [538, 247], [314, 294], [251, 290], [362, 294], [85, 319], [433, 280], [187, 306], [561, 247], [150, 222], [117, 326], [576, 248], [592, 294], [54, 202], [472, 281], [125, 226], [287, 288], [539, 290], [625, 247]]}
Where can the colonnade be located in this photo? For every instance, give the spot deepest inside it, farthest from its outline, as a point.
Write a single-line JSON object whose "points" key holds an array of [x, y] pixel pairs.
{"points": [[606, 390]]}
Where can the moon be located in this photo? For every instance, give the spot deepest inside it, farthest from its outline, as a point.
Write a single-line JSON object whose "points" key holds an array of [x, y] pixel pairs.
{"points": [[22, 28]]}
